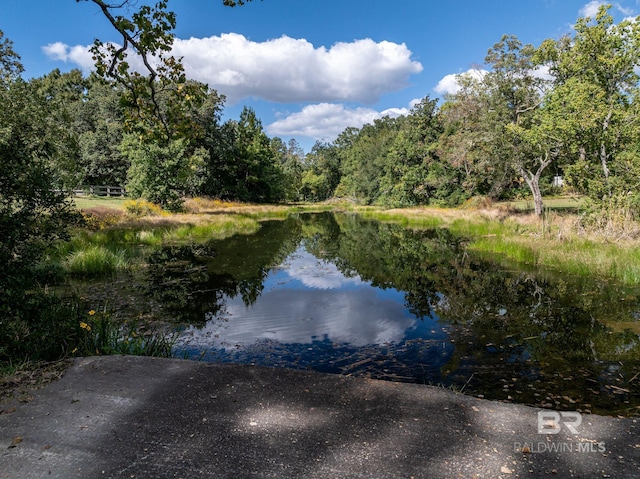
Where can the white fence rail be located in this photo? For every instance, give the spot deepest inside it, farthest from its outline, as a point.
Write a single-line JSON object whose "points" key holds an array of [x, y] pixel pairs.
{"points": [[101, 191]]}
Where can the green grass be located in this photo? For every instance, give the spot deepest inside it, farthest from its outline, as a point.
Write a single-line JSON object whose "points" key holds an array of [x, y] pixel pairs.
{"points": [[103, 335], [530, 242], [96, 260], [221, 228], [573, 255], [86, 202], [552, 203], [425, 222], [124, 247]]}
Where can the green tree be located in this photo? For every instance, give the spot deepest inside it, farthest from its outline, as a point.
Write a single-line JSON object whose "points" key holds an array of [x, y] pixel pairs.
{"points": [[258, 174], [288, 157], [595, 75], [412, 173], [64, 93], [363, 157], [322, 172], [101, 130], [160, 104], [465, 144], [160, 172], [515, 95], [482, 119], [34, 213]]}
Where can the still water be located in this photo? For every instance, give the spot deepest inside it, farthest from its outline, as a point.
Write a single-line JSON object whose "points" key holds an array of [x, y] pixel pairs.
{"points": [[340, 294]]}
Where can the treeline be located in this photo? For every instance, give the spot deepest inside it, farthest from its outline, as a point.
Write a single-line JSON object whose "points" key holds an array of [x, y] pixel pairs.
{"points": [[568, 107], [230, 160]]}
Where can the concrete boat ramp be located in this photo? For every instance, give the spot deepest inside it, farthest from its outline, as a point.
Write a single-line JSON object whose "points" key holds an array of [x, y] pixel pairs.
{"points": [[135, 417]]}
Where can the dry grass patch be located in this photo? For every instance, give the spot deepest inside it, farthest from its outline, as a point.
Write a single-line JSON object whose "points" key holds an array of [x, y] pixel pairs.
{"points": [[18, 381]]}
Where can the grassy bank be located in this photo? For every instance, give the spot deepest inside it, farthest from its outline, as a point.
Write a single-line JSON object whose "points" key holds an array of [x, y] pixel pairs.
{"points": [[556, 241]]}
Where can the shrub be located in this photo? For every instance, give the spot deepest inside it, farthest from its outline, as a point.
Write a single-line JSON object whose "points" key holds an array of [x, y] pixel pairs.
{"points": [[96, 260], [141, 207], [43, 329], [101, 217], [102, 334]]}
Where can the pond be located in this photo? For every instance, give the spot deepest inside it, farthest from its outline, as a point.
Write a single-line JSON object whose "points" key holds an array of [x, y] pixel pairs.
{"points": [[341, 294]]}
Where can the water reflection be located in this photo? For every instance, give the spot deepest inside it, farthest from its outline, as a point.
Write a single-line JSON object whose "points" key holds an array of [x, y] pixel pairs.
{"points": [[341, 294], [306, 300]]}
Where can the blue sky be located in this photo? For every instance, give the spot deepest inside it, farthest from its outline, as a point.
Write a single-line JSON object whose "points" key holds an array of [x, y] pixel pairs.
{"points": [[309, 68]]}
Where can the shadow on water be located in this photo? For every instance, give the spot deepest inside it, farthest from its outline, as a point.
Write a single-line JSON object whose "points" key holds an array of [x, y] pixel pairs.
{"points": [[341, 294]]}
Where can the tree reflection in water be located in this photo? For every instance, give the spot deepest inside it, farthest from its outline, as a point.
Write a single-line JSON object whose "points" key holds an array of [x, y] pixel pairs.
{"points": [[342, 294]]}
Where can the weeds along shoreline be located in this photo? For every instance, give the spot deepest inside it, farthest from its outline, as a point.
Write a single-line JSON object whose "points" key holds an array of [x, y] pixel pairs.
{"points": [[559, 240]]}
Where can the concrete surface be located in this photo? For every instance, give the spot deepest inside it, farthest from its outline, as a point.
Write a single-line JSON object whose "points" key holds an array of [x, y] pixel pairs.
{"points": [[133, 417]]}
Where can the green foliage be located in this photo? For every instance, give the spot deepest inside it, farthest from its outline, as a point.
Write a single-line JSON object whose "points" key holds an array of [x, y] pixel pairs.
{"points": [[322, 174], [363, 160], [243, 164], [96, 260], [161, 173], [159, 103], [102, 334], [288, 158], [595, 95], [100, 132], [139, 208], [33, 214], [41, 327]]}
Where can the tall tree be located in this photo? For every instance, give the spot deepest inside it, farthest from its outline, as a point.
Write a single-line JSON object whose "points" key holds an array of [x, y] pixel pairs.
{"points": [[289, 157], [160, 100], [160, 103], [322, 172], [481, 119], [595, 73], [258, 173], [363, 158], [465, 144], [515, 93], [412, 173], [34, 212], [64, 92], [101, 131]]}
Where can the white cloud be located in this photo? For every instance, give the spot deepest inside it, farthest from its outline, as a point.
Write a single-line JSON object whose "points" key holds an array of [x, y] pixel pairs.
{"points": [[316, 273], [591, 8], [78, 54], [325, 121], [284, 69], [414, 102], [449, 84], [625, 11], [292, 70]]}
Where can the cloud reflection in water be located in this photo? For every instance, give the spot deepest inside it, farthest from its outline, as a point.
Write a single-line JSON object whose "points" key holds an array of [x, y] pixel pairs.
{"points": [[307, 299]]}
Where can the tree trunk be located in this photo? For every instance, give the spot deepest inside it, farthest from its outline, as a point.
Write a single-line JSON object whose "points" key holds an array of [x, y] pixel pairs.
{"points": [[604, 157], [533, 182]]}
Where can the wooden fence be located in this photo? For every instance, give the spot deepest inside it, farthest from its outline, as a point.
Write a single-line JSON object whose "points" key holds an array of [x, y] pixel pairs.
{"points": [[101, 191]]}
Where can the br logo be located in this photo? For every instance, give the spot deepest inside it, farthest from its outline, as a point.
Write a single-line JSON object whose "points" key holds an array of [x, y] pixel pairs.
{"points": [[551, 422]]}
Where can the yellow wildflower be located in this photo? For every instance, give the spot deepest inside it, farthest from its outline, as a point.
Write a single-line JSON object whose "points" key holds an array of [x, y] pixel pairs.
{"points": [[92, 312], [84, 325]]}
